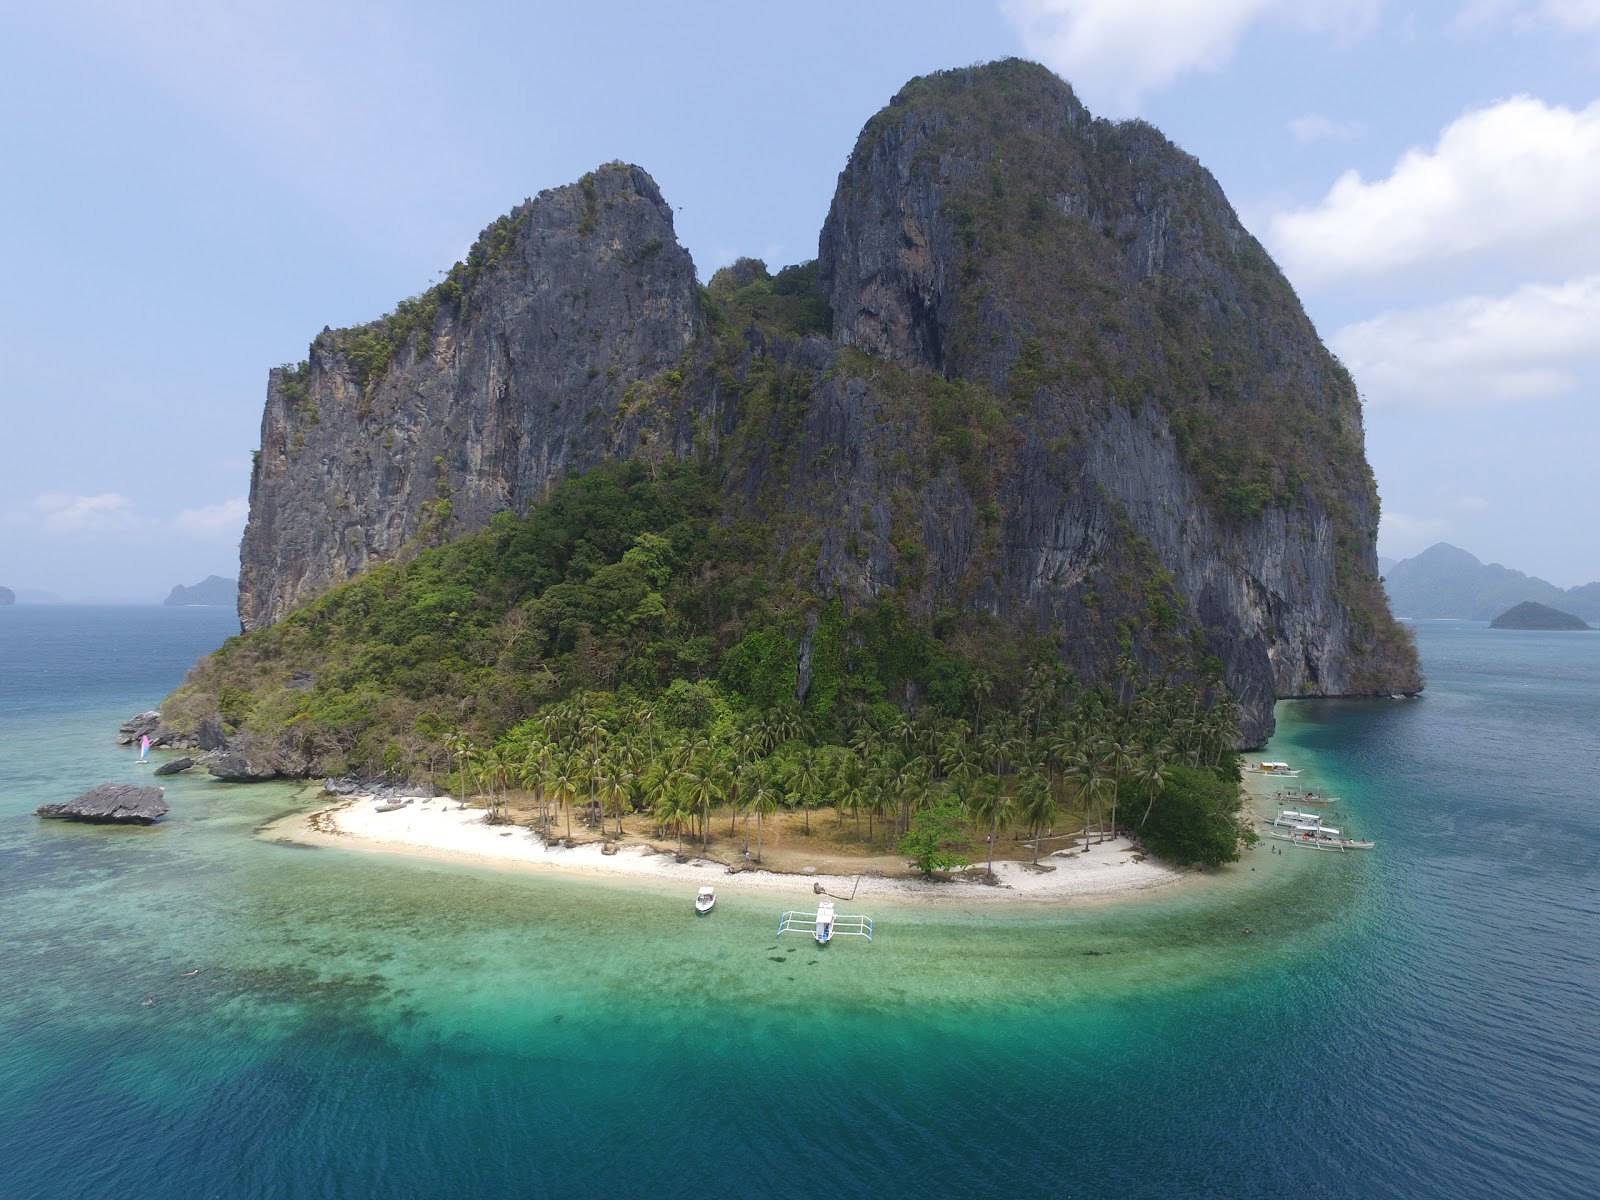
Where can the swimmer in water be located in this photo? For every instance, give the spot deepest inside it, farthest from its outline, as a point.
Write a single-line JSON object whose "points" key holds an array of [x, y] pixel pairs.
{"points": [[149, 1000]]}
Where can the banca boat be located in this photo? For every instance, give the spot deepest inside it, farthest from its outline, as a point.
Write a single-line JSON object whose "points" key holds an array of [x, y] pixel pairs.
{"points": [[1306, 829], [824, 926]]}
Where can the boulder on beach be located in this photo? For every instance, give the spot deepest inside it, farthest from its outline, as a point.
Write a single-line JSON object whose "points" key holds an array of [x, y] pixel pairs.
{"points": [[111, 804], [176, 765]]}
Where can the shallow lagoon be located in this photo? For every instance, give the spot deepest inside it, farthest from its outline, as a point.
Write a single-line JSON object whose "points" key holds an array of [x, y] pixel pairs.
{"points": [[361, 1023]]}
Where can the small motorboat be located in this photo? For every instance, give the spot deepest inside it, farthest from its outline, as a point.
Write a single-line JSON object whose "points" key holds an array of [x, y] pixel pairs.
{"points": [[704, 899]]}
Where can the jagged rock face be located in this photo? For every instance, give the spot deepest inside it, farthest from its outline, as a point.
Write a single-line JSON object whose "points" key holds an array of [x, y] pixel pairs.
{"points": [[1095, 277], [1065, 390], [111, 804], [485, 408]]}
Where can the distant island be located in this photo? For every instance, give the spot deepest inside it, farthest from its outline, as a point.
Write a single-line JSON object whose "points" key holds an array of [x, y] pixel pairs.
{"points": [[1447, 581], [7, 596], [213, 589], [1530, 614]]}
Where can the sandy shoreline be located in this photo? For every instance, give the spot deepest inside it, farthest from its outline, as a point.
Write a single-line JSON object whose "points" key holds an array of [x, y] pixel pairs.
{"points": [[442, 831]]}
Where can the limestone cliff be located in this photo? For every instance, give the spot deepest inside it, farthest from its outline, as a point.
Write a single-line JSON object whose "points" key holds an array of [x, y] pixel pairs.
{"points": [[475, 397], [1063, 393]]}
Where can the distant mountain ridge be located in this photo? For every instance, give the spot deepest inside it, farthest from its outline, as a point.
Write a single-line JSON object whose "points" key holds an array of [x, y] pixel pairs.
{"points": [[213, 589], [1447, 581], [7, 596]]}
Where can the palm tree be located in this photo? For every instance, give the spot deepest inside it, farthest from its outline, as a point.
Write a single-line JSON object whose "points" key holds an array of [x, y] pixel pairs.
{"points": [[982, 688], [699, 789], [992, 803], [562, 786], [1037, 800], [806, 780], [764, 800], [1151, 774], [1120, 759]]}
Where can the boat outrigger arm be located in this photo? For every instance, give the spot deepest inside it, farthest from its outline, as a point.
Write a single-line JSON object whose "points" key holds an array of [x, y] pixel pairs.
{"points": [[823, 926]]}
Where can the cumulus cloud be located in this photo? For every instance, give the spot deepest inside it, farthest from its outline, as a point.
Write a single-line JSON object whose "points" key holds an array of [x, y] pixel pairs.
{"points": [[62, 513], [213, 520], [1520, 176], [1316, 128], [1114, 51], [1536, 341]]}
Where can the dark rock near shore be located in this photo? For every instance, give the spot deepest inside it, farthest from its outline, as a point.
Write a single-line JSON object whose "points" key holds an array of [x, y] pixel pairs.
{"points": [[176, 765], [209, 736], [247, 760], [236, 767], [134, 728], [111, 804]]}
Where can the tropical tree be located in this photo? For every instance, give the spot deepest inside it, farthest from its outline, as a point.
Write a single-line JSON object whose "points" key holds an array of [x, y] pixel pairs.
{"points": [[991, 805], [764, 799], [1037, 801]]}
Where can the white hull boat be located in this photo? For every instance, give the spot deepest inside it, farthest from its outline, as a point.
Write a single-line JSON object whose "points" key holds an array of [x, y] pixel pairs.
{"points": [[704, 900]]}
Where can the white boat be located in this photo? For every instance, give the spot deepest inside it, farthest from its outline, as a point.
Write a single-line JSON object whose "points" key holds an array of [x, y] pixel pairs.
{"points": [[1307, 829], [1294, 795], [1280, 769], [704, 899], [825, 925]]}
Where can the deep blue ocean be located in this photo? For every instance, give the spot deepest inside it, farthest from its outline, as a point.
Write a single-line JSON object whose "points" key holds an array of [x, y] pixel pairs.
{"points": [[1419, 1021]]}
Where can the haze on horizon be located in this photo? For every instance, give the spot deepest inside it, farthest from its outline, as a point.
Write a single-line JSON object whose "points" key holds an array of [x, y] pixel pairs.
{"points": [[200, 191]]}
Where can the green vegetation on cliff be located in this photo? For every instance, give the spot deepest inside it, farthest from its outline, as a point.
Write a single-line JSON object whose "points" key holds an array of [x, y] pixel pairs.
{"points": [[615, 640]]}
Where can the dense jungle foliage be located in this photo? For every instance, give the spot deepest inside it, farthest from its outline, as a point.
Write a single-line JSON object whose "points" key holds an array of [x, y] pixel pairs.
{"points": [[612, 653]]}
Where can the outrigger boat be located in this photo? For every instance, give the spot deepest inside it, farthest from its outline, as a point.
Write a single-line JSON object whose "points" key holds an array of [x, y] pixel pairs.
{"points": [[704, 899], [1306, 829], [824, 926], [1294, 795]]}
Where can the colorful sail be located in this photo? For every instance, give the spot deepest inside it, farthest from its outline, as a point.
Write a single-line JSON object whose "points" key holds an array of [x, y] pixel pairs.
{"points": [[144, 747]]}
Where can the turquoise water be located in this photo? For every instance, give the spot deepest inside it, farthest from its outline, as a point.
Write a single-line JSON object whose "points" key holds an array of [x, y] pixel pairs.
{"points": [[1420, 1021]]}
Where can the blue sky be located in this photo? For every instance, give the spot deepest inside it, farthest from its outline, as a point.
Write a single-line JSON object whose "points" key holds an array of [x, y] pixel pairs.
{"points": [[194, 192]]}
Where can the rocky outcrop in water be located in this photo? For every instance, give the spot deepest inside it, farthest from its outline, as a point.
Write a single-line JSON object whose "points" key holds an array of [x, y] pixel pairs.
{"points": [[175, 766], [1530, 614], [111, 804], [7, 596], [1065, 393]]}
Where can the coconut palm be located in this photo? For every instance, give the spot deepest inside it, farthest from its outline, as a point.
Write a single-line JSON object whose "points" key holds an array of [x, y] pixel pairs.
{"points": [[764, 799], [1150, 775], [1036, 800], [805, 778]]}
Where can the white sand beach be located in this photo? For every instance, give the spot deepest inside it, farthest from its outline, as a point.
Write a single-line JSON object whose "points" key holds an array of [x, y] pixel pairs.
{"points": [[441, 830]]}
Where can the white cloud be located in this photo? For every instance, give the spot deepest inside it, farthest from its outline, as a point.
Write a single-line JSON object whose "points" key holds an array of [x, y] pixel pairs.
{"points": [[1535, 341], [1519, 177], [214, 520], [62, 513], [1316, 128], [1578, 16], [1401, 536], [1114, 51]]}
